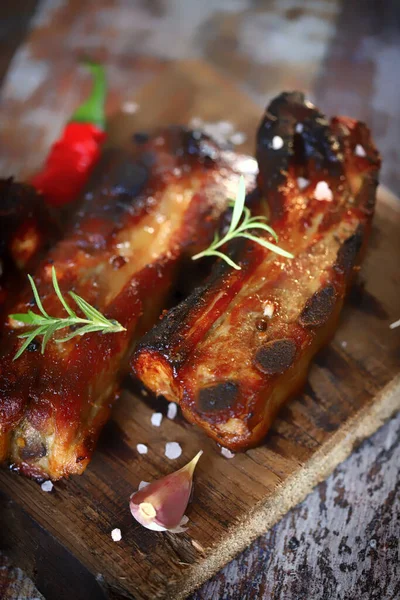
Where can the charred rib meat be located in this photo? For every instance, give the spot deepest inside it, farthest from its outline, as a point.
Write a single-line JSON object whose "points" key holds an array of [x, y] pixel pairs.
{"points": [[237, 348], [156, 201], [26, 230]]}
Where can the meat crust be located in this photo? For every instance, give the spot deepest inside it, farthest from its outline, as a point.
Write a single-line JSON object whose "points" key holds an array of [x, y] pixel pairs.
{"points": [[240, 345], [155, 202]]}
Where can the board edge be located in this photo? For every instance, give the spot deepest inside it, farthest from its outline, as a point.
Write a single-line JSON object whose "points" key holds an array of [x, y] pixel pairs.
{"points": [[296, 488]]}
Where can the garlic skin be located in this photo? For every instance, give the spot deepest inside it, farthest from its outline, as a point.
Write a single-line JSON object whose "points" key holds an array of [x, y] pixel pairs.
{"points": [[160, 506]]}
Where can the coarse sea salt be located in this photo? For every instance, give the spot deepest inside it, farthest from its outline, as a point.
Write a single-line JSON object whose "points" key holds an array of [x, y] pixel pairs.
{"points": [[142, 448], [238, 138], [302, 183], [116, 535], [269, 309], [156, 419], [130, 107], [299, 128], [323, 191], [227, 453], [143, 484], [173, 450], [172, 410], [47, 486], [359, 151], [277, 142], [221, 132], [225, 127]]}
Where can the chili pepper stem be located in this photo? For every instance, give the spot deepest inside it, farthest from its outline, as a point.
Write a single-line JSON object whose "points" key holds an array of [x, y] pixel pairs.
{"points": [[92, 110]]}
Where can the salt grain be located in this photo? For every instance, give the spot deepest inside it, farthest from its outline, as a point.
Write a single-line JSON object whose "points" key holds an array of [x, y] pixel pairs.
{"points": [[359, 151], [302, 183], [344, 344], [323, 191], [299, 128], [277, 142], [116, 535], [221, 132], [141, 448], [172, 410], [156, 419], [173, 450], [395, 324], [196, 123], [269, 309], [225, 127], [249, 165], [47, 486], [227, 453], [238, 138], [142, 485], [130, 107]]}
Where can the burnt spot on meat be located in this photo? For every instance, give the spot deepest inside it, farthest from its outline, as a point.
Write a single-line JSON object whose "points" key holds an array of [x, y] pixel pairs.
{"points": [[219, 397], [275, 357], [33, 450], [118, 262], [318, 308], [348, 252], [33, 346], [367, 195], [131, 177], [280, 140], [140, 137]]}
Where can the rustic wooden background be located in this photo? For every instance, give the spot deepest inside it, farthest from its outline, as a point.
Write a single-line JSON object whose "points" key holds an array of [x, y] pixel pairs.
{"points": [[342, 542]]}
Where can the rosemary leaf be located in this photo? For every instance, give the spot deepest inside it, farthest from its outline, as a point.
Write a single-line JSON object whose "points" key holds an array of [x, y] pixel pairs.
{"points": [[24, 346], [241, 223], [59, 294], [46, 326], [37, 297]]}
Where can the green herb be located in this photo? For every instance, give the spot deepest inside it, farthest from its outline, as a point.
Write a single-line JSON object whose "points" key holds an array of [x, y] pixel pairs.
{"points": [[45, 325], [241, 230]]}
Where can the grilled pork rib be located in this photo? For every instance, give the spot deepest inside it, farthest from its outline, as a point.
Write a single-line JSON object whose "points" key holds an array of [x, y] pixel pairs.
{"points": [[157, 200], [239, 346], [26, 229]]}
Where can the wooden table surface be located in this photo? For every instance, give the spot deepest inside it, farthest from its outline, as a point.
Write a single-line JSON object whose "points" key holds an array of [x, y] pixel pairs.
{"points": [[342, 541]]}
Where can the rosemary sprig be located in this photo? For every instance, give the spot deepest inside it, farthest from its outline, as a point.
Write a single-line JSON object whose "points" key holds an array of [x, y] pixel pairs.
{"points": [[45, 325], [237, 229]]}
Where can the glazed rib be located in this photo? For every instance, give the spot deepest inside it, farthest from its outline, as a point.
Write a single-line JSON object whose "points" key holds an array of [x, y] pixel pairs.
{"points": [[239, 346], [156, 201], [26, 230]]}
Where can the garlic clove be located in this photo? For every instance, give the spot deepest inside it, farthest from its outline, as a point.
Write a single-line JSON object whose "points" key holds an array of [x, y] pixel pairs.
{"points": [[161, 505]]}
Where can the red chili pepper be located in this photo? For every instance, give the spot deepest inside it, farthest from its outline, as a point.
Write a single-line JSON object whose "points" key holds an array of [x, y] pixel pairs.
{"points": [[72, 157]]}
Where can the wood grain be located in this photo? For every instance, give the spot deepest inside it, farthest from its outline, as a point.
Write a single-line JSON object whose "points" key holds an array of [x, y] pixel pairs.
{"points": [[342, 542], [353, 387]]}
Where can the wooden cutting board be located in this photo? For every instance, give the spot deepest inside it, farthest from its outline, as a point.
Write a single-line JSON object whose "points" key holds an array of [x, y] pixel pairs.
{"points": [[62, 539]]}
